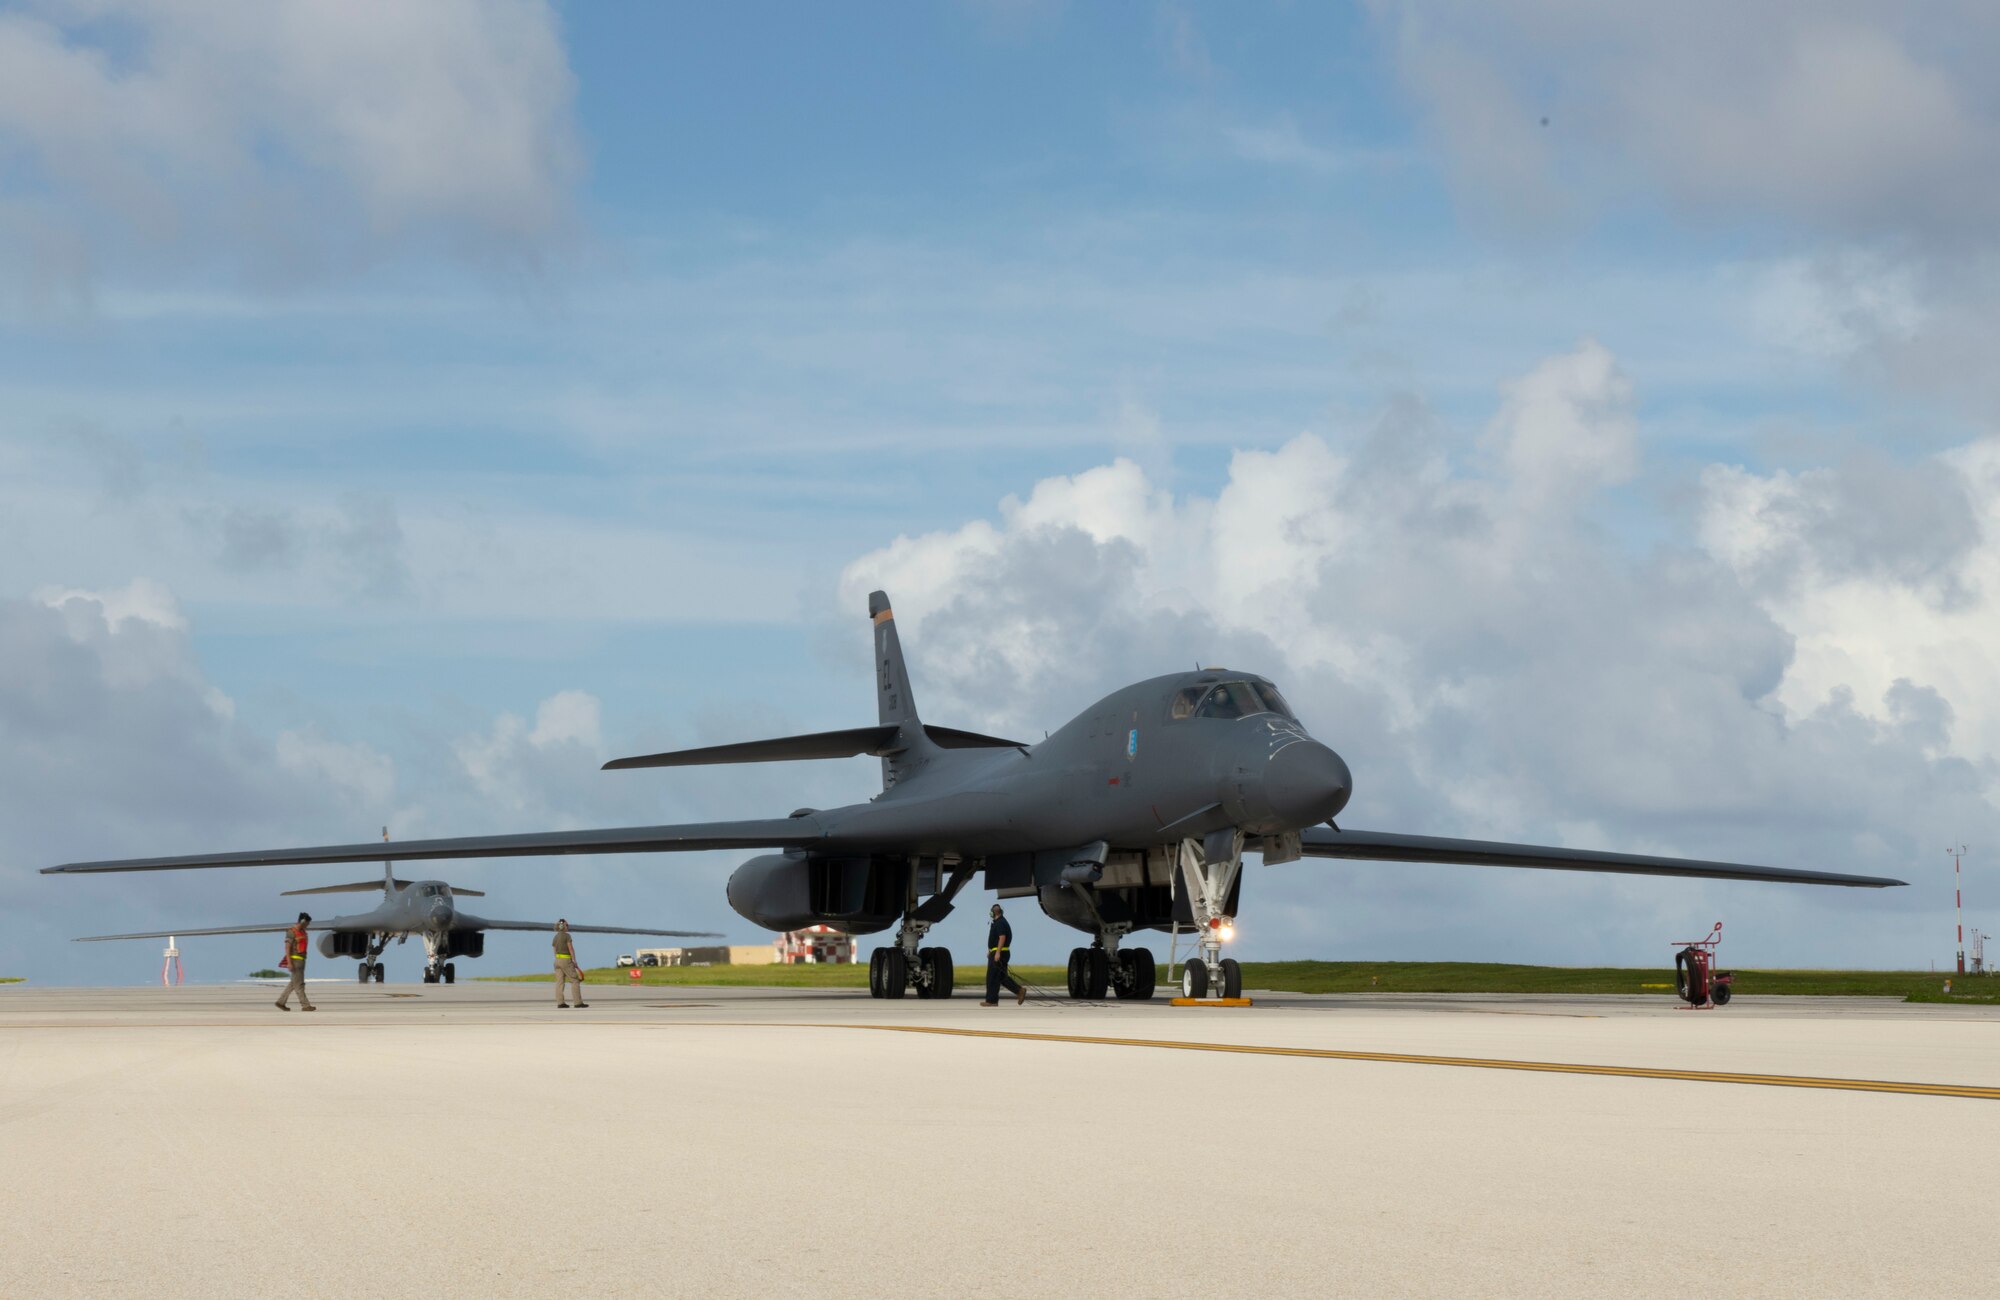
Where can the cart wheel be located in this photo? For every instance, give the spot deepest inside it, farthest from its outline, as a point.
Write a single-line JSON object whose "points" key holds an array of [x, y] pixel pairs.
{"points": [[1721, 995]]}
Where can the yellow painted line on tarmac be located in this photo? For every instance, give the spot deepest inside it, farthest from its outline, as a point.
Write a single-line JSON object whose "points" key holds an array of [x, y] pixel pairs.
{"points": [[1467, 1062]]}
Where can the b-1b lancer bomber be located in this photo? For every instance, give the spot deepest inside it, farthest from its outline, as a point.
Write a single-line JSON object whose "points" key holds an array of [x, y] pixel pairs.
{"points": [[421, 907], [1135, 815]]}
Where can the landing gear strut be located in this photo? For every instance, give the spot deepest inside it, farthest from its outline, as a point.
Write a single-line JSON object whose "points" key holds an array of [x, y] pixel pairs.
{"points": [[1103, 967], [1208, 870], [436, 969], [371, 964], [894, 971]]}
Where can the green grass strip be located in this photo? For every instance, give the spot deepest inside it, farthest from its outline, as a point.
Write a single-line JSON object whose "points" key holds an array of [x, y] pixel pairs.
{"points": [[1372, 977]]}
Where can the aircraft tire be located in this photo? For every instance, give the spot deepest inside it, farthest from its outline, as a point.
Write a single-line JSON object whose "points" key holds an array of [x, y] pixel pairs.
{"points": [[1097, 971], [1142, 975], [1232, 978], [923, 969], [942, 972], [875, 972], [450, 973], [1194, 979], [366, 971], [895, 974], [1076, 971]]}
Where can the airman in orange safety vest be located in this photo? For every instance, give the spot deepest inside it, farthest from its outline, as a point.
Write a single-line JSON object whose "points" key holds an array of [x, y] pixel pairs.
{"points": [[295, 959]]}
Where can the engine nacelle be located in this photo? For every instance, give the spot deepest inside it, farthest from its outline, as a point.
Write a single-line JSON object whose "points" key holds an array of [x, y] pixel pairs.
{"points": [[858, 895], [343, 943], [465, 943]]}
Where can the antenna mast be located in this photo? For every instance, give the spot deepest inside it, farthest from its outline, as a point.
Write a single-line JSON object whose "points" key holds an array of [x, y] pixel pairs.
{"points": [[170, 969], [1958, 902]]}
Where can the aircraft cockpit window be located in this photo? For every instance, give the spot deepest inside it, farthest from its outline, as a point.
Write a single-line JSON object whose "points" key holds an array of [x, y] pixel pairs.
{"points": [[433, 891], [1272, 700], [1228, 700]]}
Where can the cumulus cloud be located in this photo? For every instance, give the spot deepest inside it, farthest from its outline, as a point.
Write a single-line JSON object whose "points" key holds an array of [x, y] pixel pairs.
{"points": [[1887, 577], [113, 742], [278, 138], [1446, 609]]}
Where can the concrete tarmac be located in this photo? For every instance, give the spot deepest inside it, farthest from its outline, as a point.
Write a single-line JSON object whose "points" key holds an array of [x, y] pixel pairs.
{"points": [[471, 1140]]}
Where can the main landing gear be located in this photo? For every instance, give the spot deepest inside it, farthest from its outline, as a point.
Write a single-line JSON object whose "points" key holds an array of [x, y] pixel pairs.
{"points": [[1208, 870], [371, 958], [1127, 973], [894, 971]]}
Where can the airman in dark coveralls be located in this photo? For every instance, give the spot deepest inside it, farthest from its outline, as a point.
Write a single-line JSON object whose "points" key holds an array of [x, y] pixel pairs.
{"points": [[999, 942]]}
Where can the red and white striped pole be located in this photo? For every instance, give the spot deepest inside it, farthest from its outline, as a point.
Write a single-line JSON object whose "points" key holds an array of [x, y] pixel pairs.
{"points": [[1958, 902]]}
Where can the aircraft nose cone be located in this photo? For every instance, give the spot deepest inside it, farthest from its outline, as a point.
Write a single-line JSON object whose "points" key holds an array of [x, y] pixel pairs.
{"points": [[1307, 783]]}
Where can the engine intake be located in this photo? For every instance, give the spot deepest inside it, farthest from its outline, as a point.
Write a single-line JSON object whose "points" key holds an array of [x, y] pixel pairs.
{"points": [[343, 943], [858, 895]]}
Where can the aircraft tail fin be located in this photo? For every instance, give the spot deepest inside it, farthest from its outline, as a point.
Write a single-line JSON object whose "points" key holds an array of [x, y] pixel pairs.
{"points": [[893, 700], [895, 705]]}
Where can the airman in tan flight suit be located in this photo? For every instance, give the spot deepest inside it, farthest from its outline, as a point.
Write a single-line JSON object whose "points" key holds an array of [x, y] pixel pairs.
{"points": [[567, 971]]}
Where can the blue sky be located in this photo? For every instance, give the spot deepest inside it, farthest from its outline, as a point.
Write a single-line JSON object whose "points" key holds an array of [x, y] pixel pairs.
{"points": [[1580, 414]]}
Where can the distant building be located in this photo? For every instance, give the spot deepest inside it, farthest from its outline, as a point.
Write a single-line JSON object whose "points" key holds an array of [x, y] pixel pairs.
{"points": [[799, 947], [755, 954], [813, 945]]}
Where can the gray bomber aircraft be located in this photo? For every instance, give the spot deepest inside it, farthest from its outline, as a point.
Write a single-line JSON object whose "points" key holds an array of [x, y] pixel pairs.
{"points": [[1135, 815], [421, 907]]}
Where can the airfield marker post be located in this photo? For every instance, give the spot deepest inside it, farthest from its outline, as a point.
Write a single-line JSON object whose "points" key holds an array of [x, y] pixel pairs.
{"points": [[1958, 902]]}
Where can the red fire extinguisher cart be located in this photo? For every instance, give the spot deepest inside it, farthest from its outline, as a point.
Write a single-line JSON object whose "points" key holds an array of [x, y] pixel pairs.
{"points": [[1696, 979]]}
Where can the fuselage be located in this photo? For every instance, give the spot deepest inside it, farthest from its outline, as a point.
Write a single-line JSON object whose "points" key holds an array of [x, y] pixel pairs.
{"points": [[422, 907], [1161, 761], [1131, 770]]}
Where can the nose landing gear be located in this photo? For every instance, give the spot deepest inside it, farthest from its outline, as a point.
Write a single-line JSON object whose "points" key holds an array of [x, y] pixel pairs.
{"points": [[1208, 869]]}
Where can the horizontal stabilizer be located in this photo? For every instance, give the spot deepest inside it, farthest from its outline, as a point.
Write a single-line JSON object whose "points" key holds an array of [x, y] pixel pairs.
{"points": [[1386, 846], [766, 833], [823, 744], [851, 743], [953, 738], [363, 886]]}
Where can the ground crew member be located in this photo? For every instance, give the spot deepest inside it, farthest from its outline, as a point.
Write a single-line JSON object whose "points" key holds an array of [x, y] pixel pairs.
{"points": [[999, 942], [567, 972], [295, 958]]}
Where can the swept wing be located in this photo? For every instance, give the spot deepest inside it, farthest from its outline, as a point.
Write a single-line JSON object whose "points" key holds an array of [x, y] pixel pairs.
{"points": [[278, 927], [468, 922], [769, 833], [1388, 846]]}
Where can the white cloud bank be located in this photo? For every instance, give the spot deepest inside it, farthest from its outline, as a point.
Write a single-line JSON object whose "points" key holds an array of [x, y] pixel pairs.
{"points": [[1802, 678]]}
